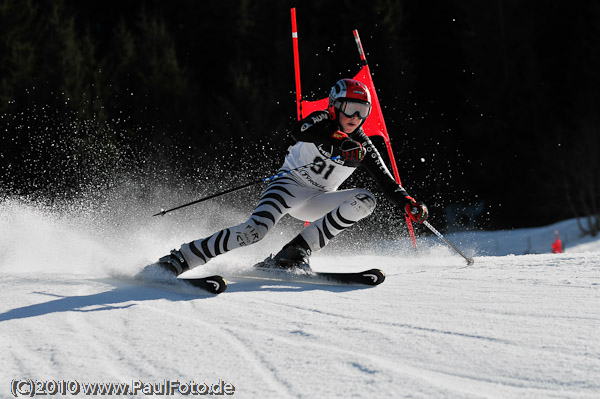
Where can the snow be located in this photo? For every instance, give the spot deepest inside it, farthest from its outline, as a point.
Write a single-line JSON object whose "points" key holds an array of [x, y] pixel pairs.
{"points": [[510, 326]]}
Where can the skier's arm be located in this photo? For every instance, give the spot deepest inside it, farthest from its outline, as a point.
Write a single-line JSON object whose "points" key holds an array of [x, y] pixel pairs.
{"points": [[394, 192], [320, 130], [316, 128]]}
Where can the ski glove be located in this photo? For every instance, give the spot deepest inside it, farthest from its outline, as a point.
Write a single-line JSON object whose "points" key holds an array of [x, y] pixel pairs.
{"points": [[417, 211], [352, 152]]}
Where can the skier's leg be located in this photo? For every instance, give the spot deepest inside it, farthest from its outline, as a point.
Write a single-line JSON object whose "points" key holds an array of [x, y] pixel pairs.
{"points": [[278, 199], [355, 205], [253, 230]]}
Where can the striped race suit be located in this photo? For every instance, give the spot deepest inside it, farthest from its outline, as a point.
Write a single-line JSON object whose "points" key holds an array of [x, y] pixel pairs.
{"points": [[307, 193]]}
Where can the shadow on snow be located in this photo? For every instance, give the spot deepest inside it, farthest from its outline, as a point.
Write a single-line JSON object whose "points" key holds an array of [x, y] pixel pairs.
{"points": [[126, 292]]}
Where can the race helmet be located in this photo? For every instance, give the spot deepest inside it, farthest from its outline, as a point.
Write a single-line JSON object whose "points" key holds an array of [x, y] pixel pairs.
{"points": [[350, 97]]}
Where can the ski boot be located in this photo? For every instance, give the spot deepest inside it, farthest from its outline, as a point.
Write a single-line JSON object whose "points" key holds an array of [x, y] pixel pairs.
{"points": [[173, 263], [293, 256]]}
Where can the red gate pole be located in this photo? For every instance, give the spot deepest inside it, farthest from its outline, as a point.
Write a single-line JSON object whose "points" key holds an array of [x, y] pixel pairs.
{"points": [[386, 137], [296, 63], [297, 69]]}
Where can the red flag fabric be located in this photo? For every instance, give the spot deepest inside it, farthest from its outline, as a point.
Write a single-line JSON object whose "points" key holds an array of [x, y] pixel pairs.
{"points": [[374, 126], [309, 107]]}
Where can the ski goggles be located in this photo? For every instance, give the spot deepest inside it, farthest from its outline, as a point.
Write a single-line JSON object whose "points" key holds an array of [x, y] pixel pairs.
{"points": [[351, 108]]}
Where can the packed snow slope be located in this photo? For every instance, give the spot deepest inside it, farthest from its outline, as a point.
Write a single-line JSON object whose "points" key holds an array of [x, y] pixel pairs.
{"points": [[510, 326]]}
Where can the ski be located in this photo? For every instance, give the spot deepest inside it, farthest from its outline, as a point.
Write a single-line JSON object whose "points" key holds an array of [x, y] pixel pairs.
{"points": [[214, 284], [158, 273], [366, 277]]}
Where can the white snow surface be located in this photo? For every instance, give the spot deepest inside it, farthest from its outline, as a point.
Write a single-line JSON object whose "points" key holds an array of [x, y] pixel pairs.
{"points": [[509, 326]]}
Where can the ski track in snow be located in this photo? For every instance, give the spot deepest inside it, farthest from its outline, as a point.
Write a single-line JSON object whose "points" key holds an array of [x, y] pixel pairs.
{"points": [[512, 326]]}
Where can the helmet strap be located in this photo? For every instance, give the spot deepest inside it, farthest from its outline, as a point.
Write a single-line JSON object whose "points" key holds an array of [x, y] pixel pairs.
{"points": [[332, 113]]}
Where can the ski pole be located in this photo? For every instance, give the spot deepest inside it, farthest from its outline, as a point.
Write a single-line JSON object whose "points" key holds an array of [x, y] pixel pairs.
{"points": [[231, 190], [469, 260]]}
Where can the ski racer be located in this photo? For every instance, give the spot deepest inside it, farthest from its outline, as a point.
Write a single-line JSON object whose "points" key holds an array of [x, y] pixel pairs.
{"points": [[311, 193]]}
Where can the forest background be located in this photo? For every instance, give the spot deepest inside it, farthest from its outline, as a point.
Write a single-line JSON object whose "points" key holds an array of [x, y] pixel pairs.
{"points": [[493, 107]]}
